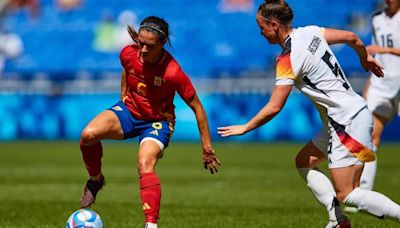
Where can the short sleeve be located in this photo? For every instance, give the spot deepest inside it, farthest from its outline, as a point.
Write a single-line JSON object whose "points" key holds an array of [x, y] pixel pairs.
{"points": [[284, 72], [126, 54], [183, 85]]}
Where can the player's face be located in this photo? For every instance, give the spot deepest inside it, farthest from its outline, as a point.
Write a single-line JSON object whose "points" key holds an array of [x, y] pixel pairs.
{"points": [[150, 46], [393, 5], [267, 29]]}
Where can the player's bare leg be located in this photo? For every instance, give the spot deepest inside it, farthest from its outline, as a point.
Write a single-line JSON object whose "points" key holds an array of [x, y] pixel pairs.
{"points": [[346, 181], [319, 184], [369, 172], [367, 180], [150, 188], [104, 126]]}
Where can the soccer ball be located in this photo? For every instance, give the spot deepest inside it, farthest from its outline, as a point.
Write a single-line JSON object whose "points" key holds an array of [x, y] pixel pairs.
{"points": [[84, 218]]}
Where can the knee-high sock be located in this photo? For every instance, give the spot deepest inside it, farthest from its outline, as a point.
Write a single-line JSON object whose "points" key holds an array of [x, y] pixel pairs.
{"points": [[150, 194], [323, 190], [368, 175], [374, 203], [92, 157]]}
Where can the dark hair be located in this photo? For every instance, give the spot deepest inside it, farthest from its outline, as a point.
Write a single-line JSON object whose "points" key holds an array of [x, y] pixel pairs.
{"points": [[278, 10], [157, 25]]}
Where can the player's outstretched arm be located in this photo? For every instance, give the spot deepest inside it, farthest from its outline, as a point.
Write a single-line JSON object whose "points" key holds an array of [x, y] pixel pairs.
{"points": [[373, 49], [334, 36], [210, 160], [269, 111]]}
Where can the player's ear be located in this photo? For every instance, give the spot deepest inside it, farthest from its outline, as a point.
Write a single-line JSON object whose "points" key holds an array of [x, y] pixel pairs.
{"points": [[275, 24]]}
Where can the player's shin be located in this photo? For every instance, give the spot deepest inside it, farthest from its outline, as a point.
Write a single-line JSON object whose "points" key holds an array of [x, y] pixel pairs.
{"points": [[92, 157], [323, 190], [150, 194], [374, 203]]}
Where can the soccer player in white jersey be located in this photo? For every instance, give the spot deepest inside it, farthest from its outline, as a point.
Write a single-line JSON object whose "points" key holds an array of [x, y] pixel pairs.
{"points": [[345, 140], [383, 94]]}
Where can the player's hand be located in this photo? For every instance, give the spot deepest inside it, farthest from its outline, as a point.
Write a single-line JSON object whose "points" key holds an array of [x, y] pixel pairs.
{"points": [[133, 33], [232, 130], [371, 64], [210, 160]]}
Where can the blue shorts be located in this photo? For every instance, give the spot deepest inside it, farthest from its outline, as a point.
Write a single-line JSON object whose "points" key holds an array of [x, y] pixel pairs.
{"points": [[158, 131]]}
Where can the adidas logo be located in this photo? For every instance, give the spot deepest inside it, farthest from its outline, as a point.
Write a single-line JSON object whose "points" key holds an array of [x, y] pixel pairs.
{"points": [[146, 206], [117, 108], [155, 132]]}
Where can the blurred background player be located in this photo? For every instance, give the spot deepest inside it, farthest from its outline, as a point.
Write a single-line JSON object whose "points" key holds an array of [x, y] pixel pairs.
{"points": [[308, 63], [383, 94], [150, 78]]}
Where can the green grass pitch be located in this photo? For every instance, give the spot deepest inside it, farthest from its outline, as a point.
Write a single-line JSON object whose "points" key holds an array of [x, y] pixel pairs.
{"points": [[257, 186]]}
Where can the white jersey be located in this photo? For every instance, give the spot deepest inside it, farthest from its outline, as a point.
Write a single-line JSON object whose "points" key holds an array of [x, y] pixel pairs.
{"points": [[309, 64], [386, 33]]}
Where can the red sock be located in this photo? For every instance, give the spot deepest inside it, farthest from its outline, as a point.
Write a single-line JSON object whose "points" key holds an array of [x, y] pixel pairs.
{"points": [[92, 157], [150, 193]]}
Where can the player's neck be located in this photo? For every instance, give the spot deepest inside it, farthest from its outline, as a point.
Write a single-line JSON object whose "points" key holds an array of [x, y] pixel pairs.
{"points": [[284, 36], [391, 13], [160, 57]]}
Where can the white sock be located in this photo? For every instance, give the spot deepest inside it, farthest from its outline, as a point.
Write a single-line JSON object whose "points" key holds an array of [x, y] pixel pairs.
{"points": [[368, 176], [323, 190], [374, 203], [150, 225]]}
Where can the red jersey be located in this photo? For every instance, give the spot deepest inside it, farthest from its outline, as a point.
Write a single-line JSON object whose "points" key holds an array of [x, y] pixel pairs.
{"points": [[152, 87]]}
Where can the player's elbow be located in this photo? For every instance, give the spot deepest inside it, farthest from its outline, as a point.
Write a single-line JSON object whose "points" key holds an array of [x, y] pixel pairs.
{"points": [[351, 37], [275, 108]]}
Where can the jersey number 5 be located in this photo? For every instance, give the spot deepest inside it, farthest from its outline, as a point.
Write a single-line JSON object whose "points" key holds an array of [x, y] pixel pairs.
{"points": [[334, 68]]}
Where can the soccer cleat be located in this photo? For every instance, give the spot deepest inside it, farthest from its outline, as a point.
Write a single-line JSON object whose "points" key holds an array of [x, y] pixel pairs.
{"points": [[343, 223], [150, 225], [90, 191]]}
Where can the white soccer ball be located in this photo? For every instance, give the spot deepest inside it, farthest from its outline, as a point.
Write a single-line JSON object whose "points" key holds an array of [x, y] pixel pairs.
{"points": [[84, 218]]}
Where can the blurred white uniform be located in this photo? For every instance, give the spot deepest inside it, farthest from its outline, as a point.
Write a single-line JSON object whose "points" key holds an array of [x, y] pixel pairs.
{"points": [[384, 93], [309, 64], [10, 47]]}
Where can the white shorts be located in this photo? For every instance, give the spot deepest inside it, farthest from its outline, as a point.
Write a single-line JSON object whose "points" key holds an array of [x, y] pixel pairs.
{"points": [[382, 106], [347, 145]]}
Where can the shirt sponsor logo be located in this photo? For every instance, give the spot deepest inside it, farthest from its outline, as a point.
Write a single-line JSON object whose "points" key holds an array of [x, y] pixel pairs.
{"points": [[157, 81]]}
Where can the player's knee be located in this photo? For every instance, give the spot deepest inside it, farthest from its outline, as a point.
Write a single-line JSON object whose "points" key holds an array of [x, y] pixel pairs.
{"points": [[303, 161], [376, 140], [341, 195], [299, 161], [88, 136], [145, 165]]}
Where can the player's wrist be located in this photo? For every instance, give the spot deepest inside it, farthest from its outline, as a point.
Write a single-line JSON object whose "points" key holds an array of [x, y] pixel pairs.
{"points": [[207, 148]]}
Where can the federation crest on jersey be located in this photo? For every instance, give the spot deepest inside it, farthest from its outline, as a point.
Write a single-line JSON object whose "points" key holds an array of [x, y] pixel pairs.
{"points": [[157, 80]]}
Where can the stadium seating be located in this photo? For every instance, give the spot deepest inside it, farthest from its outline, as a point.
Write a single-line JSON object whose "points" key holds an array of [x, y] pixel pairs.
{"points": [[206, 41]]}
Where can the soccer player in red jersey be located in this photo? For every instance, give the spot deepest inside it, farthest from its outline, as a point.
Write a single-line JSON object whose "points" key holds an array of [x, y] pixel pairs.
{"points": [[150, 78]]}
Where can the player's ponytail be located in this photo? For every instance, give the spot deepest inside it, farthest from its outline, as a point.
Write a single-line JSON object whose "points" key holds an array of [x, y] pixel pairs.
{"points": [[276, 10]]}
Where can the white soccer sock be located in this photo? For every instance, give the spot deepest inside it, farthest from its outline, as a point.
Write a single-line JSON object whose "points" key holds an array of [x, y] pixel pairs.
{"points": [[322, 188], [150, 225], [374, 203], [368, 176]]}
